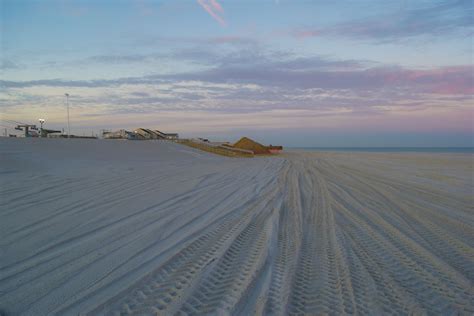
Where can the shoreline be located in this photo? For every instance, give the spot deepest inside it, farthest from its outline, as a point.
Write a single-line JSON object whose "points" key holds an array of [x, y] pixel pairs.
{"points": [[417, 150]]}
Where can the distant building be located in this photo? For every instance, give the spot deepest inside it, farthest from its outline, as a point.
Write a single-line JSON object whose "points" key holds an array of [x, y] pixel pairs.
{"points": [[147, 133], [120, 134], [33, 134], [139, 134], [170, 136], [45, 132]]}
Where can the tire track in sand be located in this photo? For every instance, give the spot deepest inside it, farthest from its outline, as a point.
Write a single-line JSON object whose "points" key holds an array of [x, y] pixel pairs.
{"points": [[166, 289], [343, 245], [309, 234]]}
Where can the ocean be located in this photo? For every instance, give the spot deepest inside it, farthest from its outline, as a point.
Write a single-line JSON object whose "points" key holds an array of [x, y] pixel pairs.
{"points": [[392, 149]]}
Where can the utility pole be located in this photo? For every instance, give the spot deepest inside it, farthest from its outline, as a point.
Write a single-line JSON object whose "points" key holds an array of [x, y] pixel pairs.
{"points": [[68, 126]]}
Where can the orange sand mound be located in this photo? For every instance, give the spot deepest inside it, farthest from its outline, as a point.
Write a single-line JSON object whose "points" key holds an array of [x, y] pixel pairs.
{"points": [[248, 144]]}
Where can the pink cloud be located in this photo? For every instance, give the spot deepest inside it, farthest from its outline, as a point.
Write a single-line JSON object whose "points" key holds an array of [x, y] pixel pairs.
{"points": [[306, 33], [216, 6], [446, 80], [214, 9]]}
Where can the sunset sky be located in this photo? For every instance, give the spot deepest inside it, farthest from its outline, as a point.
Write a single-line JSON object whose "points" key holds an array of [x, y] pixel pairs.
{"points": [[299, 73]]}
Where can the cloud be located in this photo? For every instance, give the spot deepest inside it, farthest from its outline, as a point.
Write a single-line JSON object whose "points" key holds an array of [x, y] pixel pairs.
{"points": [[4, 84], [378, 90], [198, 50], [216, 6], [7, 64], [118, 59], [304, 33], [252, 80], [444, 80], [433, 20], [232, 39], [140, 94], [276, 69], [214, 9], [180, 41], [199, 105]]}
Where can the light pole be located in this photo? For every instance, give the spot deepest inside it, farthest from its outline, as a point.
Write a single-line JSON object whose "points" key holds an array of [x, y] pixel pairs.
{"points": [[41, 130], [68, 126]]}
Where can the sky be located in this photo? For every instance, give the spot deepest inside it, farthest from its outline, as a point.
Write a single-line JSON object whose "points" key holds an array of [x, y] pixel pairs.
{"points": [[297, 73]]}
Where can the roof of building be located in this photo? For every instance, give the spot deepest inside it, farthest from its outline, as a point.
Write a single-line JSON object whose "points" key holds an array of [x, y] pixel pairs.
{"points": [[152, 134], [161, 134]]}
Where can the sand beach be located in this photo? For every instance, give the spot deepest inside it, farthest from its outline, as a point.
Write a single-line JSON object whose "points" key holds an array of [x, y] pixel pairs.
{"points": [[99, 227]]}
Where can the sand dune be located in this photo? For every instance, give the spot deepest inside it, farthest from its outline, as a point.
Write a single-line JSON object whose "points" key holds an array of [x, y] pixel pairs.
{"points": [[112, 227]]}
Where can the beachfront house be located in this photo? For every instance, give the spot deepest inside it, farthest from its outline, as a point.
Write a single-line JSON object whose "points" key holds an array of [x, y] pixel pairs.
{"points": [[147, 133], [169, 136]]}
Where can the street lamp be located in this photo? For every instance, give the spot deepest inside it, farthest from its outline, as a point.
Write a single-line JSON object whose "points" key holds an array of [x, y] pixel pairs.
{"points": [[41, 122], [68, 126]]}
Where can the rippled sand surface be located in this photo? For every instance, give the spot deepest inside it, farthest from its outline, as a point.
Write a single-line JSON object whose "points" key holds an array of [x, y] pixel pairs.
{"points": [[112, 227]]}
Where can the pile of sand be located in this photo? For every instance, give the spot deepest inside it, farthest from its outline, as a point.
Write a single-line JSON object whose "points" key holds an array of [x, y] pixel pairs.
{"points": [[248, 144]]}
